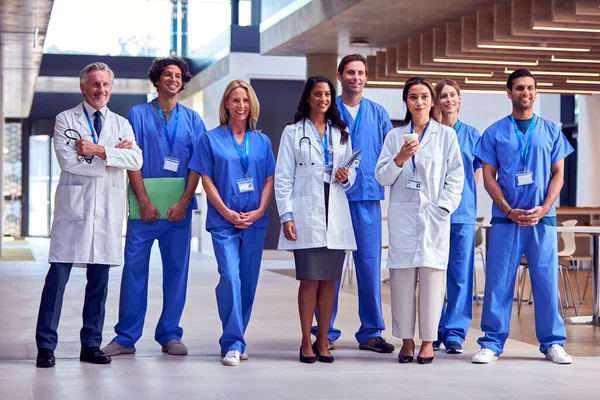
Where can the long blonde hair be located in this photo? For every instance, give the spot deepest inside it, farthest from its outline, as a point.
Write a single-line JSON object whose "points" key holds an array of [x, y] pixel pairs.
{"points": [[254, 104]]}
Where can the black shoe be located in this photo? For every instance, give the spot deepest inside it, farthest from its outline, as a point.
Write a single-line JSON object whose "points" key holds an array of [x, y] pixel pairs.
{"points": [[454, 348], [405, 359], [94, 355], [45, 358], [424, 360], [378, 345], [323, 359], [307, 360]]}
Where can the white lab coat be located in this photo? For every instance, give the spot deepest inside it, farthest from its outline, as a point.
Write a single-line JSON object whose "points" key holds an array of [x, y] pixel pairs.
{"points": [[419, 230], [299, 189], [91, 198]]}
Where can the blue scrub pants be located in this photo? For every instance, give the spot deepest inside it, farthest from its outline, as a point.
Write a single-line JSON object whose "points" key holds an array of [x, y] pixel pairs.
{"points": [[366, 221], [174, 243], [46, 335], [508, 242], [457, 315], [239, 254]]}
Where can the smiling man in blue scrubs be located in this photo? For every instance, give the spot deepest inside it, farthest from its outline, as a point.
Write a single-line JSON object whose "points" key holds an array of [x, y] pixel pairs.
{"points": [[168, 134], [523, 171], [368, 123]]}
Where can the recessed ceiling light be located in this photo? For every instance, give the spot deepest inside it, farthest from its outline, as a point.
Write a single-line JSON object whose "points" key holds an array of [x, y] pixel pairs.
{"points": [[360, 42]]}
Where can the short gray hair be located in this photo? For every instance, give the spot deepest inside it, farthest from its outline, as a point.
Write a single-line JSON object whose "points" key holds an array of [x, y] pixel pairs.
{"points": [[95, 66]]}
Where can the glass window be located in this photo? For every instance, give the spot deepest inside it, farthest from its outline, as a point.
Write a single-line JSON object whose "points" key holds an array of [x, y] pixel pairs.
{"points": [[110, 27], [39, 175]]}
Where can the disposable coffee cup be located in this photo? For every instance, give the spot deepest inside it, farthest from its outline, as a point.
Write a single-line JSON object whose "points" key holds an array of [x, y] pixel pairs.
{"points": [[410, 136]]}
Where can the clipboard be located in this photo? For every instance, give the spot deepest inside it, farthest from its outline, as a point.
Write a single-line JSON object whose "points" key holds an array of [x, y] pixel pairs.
{"points": [[352, 158], [162, 192]]}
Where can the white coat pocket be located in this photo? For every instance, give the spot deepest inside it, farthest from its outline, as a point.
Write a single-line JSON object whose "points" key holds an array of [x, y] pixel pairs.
{"points": [[69, 203]]}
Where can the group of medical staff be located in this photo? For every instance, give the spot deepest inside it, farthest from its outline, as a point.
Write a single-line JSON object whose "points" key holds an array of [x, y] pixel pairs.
{"points": [[334, 160]]}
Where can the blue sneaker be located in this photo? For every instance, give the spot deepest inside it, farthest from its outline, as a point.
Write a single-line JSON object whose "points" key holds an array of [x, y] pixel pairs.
{"points": [[454, 348], [436, 345]]}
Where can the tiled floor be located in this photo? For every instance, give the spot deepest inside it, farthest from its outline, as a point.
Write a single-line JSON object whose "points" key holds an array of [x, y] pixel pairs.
{"points": [[273, 371]]}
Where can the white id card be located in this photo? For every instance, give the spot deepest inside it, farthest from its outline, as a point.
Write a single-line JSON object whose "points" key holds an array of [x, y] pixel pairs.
{"points": [[356, 162], [524, 178], [171, 164], [413, 185], [245, 185]]}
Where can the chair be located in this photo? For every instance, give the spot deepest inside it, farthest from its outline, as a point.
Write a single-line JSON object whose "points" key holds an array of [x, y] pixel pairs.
{"points": [[565, 261], [594, 222]]}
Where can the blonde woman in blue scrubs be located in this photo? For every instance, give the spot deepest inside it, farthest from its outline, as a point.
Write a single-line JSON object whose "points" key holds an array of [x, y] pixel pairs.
{"points": [[236, 163]]}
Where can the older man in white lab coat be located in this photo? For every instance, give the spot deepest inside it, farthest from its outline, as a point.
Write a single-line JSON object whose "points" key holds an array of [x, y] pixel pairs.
{"points": [[93, 147]]}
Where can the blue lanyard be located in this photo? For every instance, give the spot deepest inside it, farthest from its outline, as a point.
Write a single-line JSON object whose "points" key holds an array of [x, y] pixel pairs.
{"points": [[243, 157], [326, 146], [524, 152], [324, 142], [457, 126], [87, 116], [412, 130], [170, 138], [353, 127]]}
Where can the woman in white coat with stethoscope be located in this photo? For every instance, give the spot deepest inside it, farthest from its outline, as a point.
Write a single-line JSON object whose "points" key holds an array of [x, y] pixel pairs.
{"points": [[310, 185], [422, 163]]}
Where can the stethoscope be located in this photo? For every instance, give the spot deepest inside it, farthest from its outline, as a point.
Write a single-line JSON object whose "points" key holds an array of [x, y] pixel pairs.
{"points": [[306, 139], [72, 133]]}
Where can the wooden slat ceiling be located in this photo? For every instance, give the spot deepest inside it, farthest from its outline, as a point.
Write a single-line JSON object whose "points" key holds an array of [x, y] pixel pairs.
{"points": [[476, 42], [557, 40]]}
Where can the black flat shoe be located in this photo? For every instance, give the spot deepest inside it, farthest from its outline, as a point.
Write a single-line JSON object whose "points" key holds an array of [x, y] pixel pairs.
{"points": [[45, 358], [94, 355], [323, 359], [405, 359], [424, 360], [307, 360]]}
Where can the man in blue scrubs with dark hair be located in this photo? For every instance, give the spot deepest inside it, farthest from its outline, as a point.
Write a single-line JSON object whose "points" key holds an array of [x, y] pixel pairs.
{"points": [[523, 171], [168, 134], [368, 123]]}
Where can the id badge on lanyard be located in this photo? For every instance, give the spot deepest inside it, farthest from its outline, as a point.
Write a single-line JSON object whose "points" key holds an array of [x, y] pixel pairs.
{"points": [[245, 184], [171, 163], [525, 177], [415, 184]]}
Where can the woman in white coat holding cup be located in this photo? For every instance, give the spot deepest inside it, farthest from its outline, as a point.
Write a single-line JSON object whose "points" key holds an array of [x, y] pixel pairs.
{"points": [[422, 163], [311, 181]]}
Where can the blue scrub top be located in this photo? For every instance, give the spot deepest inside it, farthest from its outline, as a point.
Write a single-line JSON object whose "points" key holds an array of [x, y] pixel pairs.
{"points": [[499, 147], [150, 137], [219, 160], [373, 126], [468, 137]]}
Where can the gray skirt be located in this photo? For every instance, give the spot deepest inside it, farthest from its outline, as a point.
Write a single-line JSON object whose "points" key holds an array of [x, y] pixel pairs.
{"points": [[321, 263]]}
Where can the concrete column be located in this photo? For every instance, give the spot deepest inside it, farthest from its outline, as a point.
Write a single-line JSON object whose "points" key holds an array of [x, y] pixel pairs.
{"points": [[588, 162], [322, 64]]}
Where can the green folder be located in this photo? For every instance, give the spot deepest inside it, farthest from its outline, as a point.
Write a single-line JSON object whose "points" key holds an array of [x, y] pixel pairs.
{"points": [[162, 192]]}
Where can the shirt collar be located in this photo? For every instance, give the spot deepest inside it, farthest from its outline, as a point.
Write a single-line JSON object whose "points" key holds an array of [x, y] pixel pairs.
{"points": [[91, 110]]}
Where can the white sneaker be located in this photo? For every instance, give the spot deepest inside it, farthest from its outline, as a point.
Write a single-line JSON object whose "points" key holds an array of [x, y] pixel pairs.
{"points": [[243, 357], [232, 358], [557, 354], [485, 356]]}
